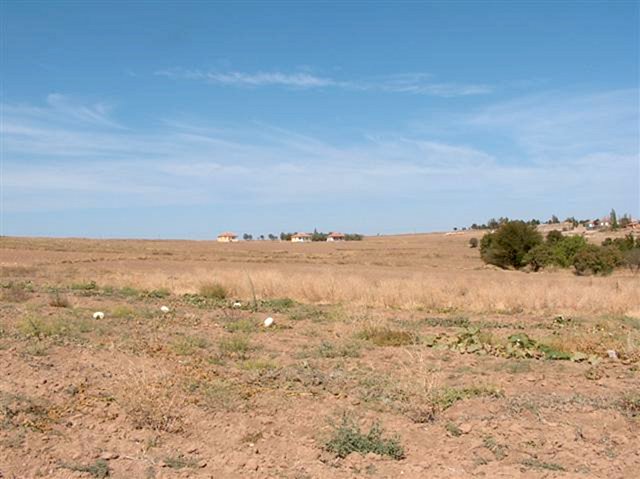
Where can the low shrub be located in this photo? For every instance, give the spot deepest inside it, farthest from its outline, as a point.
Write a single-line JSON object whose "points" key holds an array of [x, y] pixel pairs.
{"points": [[387, 337], [213, 291], [58, 300], [347, 438]]}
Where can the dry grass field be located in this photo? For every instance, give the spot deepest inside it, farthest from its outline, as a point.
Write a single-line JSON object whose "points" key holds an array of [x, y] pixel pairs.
{"points": [[392, 357]]}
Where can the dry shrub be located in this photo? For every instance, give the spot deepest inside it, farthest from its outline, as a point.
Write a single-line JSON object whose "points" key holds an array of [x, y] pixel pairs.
{"points": [[15, 293], [382, 336], [58, 300], [213, 291], [16, 271], [152, 403]]}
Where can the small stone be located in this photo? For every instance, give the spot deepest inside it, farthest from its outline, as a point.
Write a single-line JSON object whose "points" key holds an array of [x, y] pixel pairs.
{"points": [[107, 456], [98, 315], [465, 428], [268, 322], [612, 354], [164, 309]]}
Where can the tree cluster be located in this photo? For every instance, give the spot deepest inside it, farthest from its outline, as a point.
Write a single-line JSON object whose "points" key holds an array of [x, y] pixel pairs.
{"points": [[517, 244]]}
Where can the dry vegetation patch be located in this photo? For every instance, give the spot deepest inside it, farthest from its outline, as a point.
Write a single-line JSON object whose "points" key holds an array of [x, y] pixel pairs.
{"points": [[471, 371]]}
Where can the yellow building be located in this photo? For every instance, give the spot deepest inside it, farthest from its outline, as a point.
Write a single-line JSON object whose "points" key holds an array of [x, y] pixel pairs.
{"points": [[227, 237]]}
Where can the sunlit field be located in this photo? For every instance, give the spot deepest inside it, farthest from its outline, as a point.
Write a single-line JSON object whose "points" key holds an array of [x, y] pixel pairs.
{"points": [[389, 356]]}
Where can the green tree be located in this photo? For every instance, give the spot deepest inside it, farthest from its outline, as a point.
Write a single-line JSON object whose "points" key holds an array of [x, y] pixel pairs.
{"points": [[509, 244], [565, 250], [539, 256], [554, 237], [613, 219]]}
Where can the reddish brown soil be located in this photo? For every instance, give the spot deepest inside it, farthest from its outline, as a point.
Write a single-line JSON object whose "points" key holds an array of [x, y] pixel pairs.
{"points": [[142, 394]]}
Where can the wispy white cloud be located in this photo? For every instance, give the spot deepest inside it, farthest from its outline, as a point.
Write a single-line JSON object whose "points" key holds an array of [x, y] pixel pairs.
{"points": [[62, 109], [414, 83], [557, 124], [67, 158]]}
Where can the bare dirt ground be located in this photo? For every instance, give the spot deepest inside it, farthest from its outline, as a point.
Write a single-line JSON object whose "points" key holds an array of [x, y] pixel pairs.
{"points": [[468, 370]]}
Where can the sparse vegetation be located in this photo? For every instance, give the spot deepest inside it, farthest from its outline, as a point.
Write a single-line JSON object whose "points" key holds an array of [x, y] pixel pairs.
{"points": [[58, 300], [443, 399], [347, 437], [15, 292], [537, 464], [349, 349], [214, 291], [180, 461], [99, 469], [187, 345], [381, 336], [410, 330], [630, 403], [234, 346]]}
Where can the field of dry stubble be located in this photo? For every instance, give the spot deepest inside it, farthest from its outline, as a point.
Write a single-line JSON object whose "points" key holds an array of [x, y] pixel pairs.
{"points": [[392, 356]]}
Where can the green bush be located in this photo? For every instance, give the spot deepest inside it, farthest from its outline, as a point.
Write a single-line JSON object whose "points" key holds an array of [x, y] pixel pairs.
{"points": [[473, 243], [539, 257], [509, 244], [558, 250], [594, 259], [554, 236], [565, 250], [623, 244]]}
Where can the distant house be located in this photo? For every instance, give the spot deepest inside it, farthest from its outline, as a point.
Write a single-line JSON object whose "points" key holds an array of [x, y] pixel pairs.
{"points": [[227, 237], [335, 236], [300, 238]]}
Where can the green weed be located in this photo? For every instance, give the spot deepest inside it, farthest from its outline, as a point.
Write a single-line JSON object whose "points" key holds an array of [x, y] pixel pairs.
{"points": [[347, 438]]}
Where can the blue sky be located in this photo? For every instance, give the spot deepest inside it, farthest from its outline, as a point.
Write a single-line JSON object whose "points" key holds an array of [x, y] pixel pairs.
{"points": [[183, 119]]}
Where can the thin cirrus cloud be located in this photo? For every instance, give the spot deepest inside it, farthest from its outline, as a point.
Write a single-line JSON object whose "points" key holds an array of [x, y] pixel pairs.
{"points": [[67, 155], [413, 83]]}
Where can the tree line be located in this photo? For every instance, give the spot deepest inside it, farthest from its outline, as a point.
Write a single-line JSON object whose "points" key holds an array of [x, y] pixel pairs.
{"points": [[518, 244], [615, 223]]}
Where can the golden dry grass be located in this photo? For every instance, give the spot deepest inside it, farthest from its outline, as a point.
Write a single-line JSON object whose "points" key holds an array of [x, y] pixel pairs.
{"points": [[433, 272]]}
